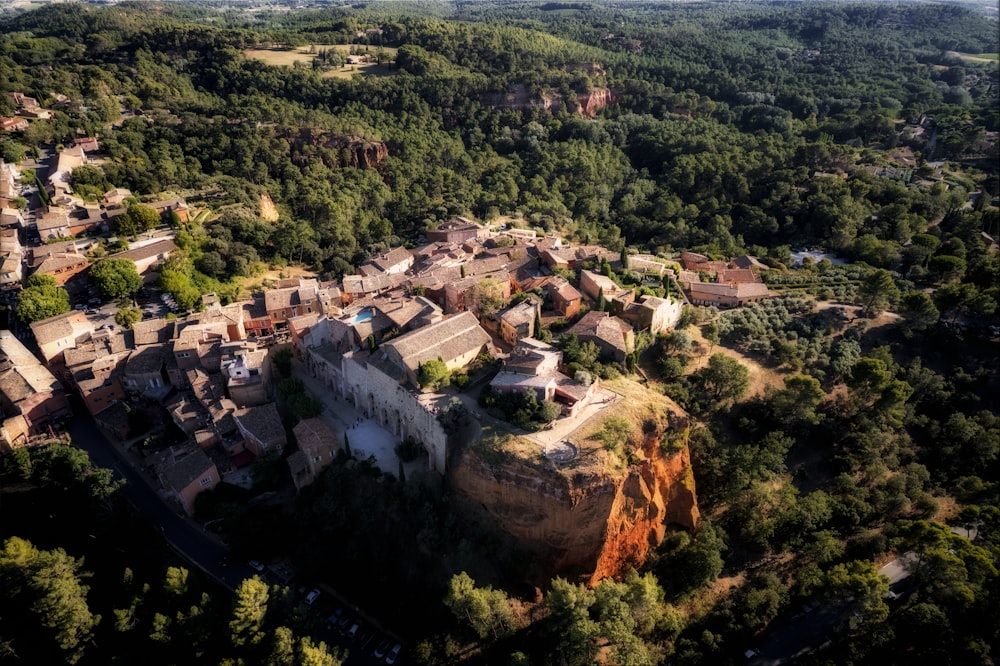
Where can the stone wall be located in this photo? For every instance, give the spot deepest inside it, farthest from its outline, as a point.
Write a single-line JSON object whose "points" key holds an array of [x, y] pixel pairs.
{"points": [[379, 396]]}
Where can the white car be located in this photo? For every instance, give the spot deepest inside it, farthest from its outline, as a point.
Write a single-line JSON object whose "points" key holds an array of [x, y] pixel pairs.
{"points": [[312, 597], [256, 566], [393, 654]]}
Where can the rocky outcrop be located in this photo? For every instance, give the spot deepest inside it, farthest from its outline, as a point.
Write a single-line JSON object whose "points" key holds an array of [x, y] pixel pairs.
{"points": [[595, 100], [587, 104], [340, 149], [268, 211], [585, 525]]}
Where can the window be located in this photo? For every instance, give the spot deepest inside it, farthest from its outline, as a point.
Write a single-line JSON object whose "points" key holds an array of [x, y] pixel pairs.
{"points": [[317, 458], [207, 480]]}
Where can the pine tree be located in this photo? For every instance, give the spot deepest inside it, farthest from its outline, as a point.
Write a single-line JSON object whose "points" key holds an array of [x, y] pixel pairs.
{"points": [[602, 303], [538, 323], [347, 446], [401, 472]]}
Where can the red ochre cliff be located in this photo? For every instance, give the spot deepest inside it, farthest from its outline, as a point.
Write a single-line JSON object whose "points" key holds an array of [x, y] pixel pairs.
{"points": [[592, 517]]}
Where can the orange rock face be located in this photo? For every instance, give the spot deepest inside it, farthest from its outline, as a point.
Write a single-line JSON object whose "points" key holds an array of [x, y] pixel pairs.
{"points": [[592, 102], [585, 526], [344, 150]]}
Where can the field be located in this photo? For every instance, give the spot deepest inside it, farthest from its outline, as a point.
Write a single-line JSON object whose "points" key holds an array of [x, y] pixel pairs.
{"points": [[302, 55], [976, 57]]}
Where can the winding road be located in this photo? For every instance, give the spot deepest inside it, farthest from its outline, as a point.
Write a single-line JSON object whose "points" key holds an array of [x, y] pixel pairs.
{"points": [[183, 536]]}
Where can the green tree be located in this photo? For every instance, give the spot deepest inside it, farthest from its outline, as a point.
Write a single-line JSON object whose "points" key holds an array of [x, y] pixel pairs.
{"points": [[433, 374], [282, 648], [797, 402], [486, 611], [176, 582], [115, 278], [142, 217], [573, 632], [919, 310], [249, 609], [724, 378], [41, 298], [128, 317], [316, 654], [48, 585], [485, 298], [877, 292], [11, 151], [860, 585], [602, 303], [947, 268]]}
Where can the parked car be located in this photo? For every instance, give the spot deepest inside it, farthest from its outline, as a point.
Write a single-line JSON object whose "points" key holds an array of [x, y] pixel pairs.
{"points": [[353, 631], [80, 306], [344, 623], [393, 654], [382, 648], [256, 566], [312, 597], [334, 617]]}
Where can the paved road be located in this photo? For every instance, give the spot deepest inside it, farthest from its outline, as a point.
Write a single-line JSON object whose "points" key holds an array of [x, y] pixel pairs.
{"points": [[802, 633], [200, 549], [184, 536]]}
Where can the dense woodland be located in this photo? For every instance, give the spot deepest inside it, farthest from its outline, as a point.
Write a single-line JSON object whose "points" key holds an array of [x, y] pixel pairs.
{"points": [[734, 128]]}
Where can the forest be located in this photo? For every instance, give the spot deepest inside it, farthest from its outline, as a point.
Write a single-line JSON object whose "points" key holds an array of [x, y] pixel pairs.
{"points": [[868, 130]]}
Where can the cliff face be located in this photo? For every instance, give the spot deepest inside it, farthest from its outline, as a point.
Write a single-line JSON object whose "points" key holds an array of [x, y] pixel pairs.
{"points": [[592, 102], [342, 150], [587, 104], [585, 526]]}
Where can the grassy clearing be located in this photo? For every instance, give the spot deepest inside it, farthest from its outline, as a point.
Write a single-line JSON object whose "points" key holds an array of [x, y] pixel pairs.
{"points": [[302, 56], [976, 57]]}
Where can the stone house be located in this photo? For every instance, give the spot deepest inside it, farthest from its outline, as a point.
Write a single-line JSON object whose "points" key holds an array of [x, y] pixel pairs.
{"points": [[186, 471], [304, 298], [613, 337], [533, 366], [566, 299], [27, 388], [356, 287], [318, 446], [99, 381], [63, 266], [144, 370], [653, 314], [455, 292], [248, 377], [261, 428], [456, 341], [148, 257], [456, 230], [174, 205], [617, 298], [725, 295], [8, 124], [10, 258], [57, 334], [396, 260], [518, 321]]}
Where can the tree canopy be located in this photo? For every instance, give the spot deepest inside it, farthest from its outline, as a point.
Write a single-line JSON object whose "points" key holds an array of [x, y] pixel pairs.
{"points": [[115, 278]]}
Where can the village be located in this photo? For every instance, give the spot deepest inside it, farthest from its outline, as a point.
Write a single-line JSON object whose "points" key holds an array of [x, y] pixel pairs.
{"points": [[471, 305]]}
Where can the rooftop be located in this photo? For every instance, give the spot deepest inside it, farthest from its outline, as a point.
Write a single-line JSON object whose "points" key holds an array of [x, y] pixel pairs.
{"points": [[262, 422], [447, 339]]}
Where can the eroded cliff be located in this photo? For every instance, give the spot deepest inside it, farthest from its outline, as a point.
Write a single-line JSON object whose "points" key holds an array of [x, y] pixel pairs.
{"points": [[595, 516], [339, 149]]}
